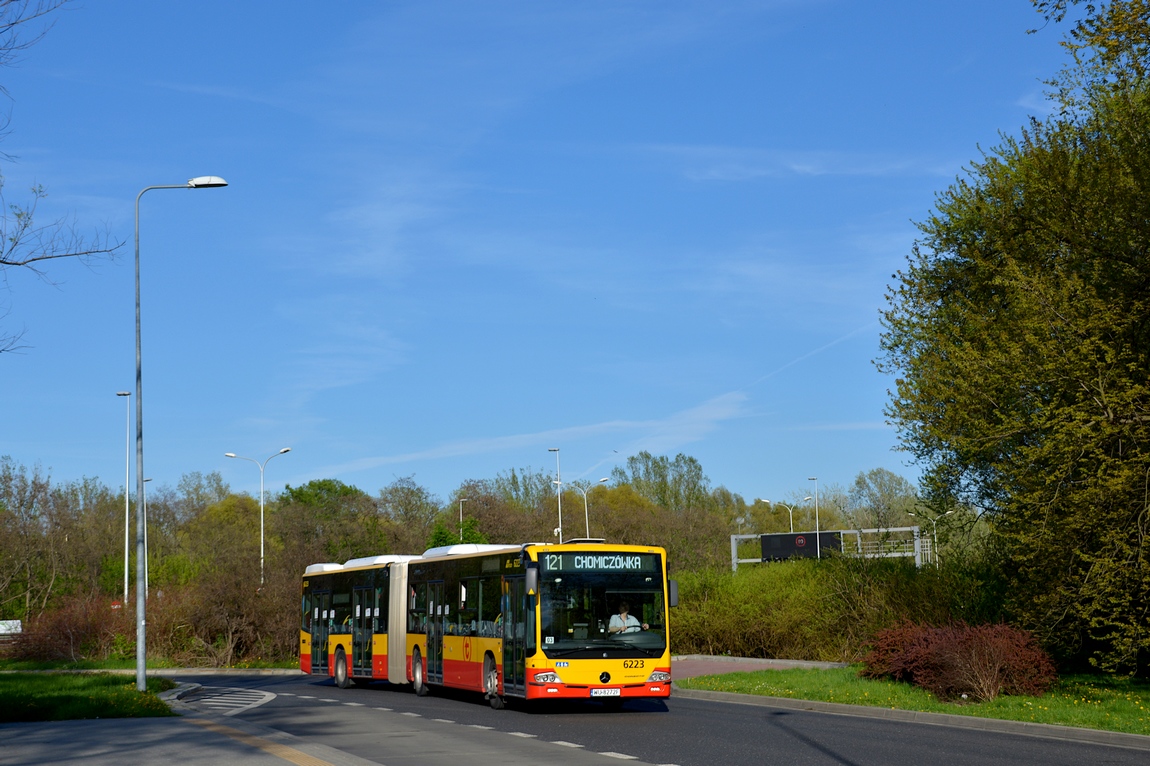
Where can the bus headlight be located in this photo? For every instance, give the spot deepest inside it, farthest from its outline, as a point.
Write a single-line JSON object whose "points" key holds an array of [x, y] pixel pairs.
{"points": [[548, 677], [657, 677]]}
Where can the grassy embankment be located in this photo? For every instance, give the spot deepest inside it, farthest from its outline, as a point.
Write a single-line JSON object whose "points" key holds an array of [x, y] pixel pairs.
{"points": [[67, 696], [1091, 702]]}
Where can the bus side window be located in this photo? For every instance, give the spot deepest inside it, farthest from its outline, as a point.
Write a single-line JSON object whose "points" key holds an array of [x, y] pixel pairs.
{"points": [[417, 612], [490, 590], [380, 606], [468, 607]]}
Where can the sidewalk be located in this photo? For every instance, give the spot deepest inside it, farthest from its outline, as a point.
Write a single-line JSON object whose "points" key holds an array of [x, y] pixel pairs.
{"points": [[691, 665]]}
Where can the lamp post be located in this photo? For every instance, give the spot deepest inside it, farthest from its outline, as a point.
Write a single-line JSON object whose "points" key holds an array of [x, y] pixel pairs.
{"points": [[934, 532], [146, 562], [261, 465], [818, 543], [462, 500], [127, 477], [586, 516], [200, 182], [790, 514], [558, 490]]}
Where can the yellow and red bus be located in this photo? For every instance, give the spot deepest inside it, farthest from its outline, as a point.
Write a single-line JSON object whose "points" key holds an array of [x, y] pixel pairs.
{"points": [[532, 621]]}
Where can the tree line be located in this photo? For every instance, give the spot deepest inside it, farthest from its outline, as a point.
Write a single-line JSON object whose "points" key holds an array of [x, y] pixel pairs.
{"points": [[63, 543]]}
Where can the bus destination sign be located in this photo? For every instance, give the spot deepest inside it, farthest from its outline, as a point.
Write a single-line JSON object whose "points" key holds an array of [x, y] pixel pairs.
{"points": [[600, 562]]}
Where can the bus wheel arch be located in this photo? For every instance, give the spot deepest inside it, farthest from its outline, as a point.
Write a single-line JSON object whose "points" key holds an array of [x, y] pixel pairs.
{"points": [[418, 682], [491, 681], [342, 677]]}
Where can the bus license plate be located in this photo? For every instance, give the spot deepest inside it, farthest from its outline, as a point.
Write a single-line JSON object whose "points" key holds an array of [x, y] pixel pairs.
{"points": [[606, 692]]}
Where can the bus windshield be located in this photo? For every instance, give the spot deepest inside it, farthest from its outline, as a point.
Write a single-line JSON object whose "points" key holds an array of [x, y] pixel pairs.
{"points": [[581, 595]]}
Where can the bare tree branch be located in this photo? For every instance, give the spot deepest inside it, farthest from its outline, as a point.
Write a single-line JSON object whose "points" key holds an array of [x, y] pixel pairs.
{"points": [[24, 242]]}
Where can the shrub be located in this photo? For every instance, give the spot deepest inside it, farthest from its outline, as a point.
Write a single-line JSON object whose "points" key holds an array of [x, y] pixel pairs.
{"points": [[81, 628], [978, 662]]}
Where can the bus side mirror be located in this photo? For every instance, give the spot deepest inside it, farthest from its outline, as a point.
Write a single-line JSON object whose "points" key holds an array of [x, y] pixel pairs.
{"points": [[673, 592], [532, 581]]}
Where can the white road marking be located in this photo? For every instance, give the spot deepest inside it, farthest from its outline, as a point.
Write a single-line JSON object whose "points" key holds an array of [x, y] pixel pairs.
{"points": [[306, 697], [620, 756], [443, 720], [480, 726], [565, 744], [413, 715], [384, 709], [354, 704], [228, 700], [521, 734]]}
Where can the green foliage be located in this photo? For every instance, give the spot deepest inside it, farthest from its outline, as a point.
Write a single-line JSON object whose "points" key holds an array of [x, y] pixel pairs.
{"points": [[880, 499], [677, 485], [819, 610], [1020, 335], [441, 535], [62, 697]]}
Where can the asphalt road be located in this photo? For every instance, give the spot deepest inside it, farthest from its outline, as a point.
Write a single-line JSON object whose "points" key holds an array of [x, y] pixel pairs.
{"points": [[391, 726]]}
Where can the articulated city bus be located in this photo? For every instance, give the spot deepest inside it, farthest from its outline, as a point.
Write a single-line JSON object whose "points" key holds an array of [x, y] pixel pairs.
{"points": [[536, 621]]}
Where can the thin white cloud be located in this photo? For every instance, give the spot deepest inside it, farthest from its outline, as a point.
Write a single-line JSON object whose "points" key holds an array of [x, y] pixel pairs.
{"points": [[661, 435], [732, 163], [870, 425]]}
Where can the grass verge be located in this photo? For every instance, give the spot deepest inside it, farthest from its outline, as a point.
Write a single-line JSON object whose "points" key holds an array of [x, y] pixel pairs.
{"points": [[68, 696], [1090, 702]]}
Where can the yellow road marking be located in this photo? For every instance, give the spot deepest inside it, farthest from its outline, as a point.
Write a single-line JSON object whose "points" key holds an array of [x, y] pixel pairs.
{"points": [[289, 754]]}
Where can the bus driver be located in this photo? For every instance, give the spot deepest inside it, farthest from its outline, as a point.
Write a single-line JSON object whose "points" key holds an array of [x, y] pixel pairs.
{"points": [[624, 622]]}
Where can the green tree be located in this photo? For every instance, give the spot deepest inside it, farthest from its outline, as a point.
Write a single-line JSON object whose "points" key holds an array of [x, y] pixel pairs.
{"points": [[880, 499], [441, 535], [1020, 337]]}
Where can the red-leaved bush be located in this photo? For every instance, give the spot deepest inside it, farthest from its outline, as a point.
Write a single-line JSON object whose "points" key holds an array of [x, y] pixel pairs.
{"points": [[978, 661]]}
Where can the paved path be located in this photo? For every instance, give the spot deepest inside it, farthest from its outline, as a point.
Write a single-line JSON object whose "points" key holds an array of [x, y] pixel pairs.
{"points": [[691, 665]]}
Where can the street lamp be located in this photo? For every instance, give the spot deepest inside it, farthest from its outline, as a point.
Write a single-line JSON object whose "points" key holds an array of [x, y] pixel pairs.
{"points": [[200, 182], [127, 477], [146, 562], [261, 465], [791, 514], [586, 517], [558, 490], [934, 531], [462, 500], [818, 543]]}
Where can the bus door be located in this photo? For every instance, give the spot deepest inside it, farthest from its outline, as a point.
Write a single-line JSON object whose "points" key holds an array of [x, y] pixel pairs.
{"points": [[515, 626], [436, 622], [361, 631], [320, 627]]}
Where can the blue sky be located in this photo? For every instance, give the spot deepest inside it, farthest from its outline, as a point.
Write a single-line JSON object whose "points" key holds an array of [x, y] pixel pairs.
{"points": [[458, 234]]}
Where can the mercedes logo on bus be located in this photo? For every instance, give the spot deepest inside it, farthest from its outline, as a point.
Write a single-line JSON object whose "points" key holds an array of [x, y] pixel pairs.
{"points": [[604, 677]]}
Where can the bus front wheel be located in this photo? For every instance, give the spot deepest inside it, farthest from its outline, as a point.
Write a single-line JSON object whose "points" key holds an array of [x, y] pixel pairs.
{"points": [[417, 682], [342, 679]]}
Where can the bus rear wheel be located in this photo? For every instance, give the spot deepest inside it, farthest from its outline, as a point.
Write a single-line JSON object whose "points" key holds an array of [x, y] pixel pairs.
{"points": [[342, 679], [491, 682], [417, 682]]}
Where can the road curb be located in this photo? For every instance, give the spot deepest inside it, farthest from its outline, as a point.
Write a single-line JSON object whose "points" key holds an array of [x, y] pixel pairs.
{"points": [[181, 691], [1045, 730]]}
